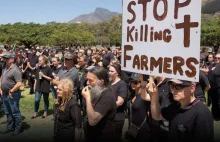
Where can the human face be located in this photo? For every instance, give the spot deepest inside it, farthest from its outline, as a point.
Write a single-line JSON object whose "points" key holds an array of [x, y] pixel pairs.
{"points": [[81, 62], [180, 92], [134, 84], [217, 58], [55, 62], [60, 91], [210, 58], [8, 61], [41, 61], [68, 62], [89, 52], [91, 79], [112, 73]]}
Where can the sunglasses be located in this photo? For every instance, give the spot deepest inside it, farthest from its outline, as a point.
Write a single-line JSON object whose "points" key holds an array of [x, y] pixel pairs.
{"points": [[134, 82], [178, 86], [217, 58]]}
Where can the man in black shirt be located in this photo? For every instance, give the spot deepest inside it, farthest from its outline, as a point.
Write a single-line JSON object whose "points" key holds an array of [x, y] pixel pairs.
{"points": [[32, 65], [100, 106], [190, 120]]}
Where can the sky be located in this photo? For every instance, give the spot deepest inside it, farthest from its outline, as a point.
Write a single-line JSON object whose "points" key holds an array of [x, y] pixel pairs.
{"points": [[43, 11]]}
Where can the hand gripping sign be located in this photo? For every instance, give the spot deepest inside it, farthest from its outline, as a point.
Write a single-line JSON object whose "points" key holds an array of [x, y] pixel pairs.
{"points": [[162, 38]]}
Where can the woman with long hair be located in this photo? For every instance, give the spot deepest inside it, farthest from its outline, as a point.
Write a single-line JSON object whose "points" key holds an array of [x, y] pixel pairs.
{"points": [[42, 85], [68, 117]]}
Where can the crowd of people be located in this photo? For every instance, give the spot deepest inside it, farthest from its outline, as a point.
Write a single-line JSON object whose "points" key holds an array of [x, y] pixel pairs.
{"points": [[94, 96]]}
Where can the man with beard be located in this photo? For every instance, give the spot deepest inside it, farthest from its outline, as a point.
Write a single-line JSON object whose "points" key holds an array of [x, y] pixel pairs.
{"points": [[100, 106]]}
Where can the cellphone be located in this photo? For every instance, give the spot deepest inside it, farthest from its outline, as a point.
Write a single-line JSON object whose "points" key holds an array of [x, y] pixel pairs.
{"points": [[145, 77]]}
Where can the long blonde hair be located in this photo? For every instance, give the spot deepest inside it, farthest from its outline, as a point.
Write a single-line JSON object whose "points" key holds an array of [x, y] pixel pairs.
{"points": [[67, 86]]}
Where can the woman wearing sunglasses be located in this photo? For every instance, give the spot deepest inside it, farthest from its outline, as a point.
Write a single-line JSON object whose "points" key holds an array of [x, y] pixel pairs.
{"points": [[189, 119], [139, 109], [214, 91]]}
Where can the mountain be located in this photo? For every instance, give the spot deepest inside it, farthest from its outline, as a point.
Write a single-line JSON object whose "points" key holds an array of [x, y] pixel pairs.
{"points": [[99, 15], [210, 6]]}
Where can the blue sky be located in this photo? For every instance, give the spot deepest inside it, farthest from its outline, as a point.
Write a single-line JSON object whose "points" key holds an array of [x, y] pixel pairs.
{"points": [[43, 11]]}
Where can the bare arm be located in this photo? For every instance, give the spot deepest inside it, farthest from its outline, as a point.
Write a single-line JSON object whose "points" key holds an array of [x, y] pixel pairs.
{"points": [[155, 106], [120, 101], [55, 81], [144, 95], [16, 87], [93, 117], [47, 77]]}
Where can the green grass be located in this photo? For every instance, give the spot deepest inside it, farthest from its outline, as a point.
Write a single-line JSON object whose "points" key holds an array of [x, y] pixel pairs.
{"points": [[27, 102]]}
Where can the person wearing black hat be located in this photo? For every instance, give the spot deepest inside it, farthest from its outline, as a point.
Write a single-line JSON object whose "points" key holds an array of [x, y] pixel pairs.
{"points": [[139, 109], [189, 119], [120, 90], [11, 81]]}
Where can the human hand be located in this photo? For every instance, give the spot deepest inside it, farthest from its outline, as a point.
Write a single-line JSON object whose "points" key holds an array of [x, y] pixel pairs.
{"points": [[86, 93], [152, 88], [10, 95], [41, 73]]}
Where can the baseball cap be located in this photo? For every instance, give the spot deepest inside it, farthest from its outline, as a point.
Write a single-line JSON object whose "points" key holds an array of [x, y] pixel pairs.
{"points": [[10, 55], [177, 81], [68, 55], [135, 77]]}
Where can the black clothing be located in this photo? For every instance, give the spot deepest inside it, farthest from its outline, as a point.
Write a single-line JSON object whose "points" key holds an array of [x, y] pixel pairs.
{"points": [[43, 85], [159, 129], [214, 91], [66, 121], [200, 86], [104, 130], [193, 123], [33, 59], [140, 108], [120, 89]]}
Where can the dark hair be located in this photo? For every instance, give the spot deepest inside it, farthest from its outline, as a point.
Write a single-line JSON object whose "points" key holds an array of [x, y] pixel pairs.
{"points": [[101, 73], [117, 68]]}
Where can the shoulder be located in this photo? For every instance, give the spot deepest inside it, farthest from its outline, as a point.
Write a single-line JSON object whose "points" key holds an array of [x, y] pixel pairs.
{"points": [[202, 109], [72, 102], [108, 93]]}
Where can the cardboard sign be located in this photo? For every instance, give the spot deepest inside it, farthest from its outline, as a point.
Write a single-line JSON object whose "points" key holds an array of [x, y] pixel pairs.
{"points": [[162, 38]]}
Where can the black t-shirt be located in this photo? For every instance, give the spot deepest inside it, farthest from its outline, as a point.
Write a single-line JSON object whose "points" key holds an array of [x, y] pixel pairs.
{"points": [[193, 123], [165, 99], [66, 121], [104, 130], [214, 77], [120, 89], [56, 70], [33, 60], [140, 108], [43, 85], [201, 85]]}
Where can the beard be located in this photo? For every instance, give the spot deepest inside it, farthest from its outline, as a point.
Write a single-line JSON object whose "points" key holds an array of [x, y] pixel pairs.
{"points": [[95, 92]]}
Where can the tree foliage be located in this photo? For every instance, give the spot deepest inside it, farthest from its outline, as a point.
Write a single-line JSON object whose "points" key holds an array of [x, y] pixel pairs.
{"points": [[103, 33]]}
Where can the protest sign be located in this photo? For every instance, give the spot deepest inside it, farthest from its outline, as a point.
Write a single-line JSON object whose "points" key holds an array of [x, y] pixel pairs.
{"points": [[162, 38]]}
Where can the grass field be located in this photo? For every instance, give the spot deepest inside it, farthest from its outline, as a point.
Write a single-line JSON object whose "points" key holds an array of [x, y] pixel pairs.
{"points": [[27, 102]]}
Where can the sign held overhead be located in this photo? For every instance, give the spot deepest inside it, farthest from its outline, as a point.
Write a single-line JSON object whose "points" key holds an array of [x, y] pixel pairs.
{"points": [[162, 38]]}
